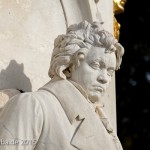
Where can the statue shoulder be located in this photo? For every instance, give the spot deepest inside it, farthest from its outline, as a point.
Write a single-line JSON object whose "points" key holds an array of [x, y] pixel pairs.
{"points": [[21, 104], [27, 115], [6, 95]]}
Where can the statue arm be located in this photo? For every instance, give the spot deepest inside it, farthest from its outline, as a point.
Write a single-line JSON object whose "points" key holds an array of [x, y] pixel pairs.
{"points": [[21, 122]]}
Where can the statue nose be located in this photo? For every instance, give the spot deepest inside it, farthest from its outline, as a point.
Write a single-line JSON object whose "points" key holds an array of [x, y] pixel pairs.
{"points": [[102, 78]]}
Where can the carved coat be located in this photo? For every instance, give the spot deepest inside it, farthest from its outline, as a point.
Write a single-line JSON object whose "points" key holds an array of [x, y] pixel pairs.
{"points": [[56, 117]]}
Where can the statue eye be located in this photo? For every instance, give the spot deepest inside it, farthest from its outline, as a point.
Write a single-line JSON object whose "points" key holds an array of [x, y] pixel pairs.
{"points": [[95, 65], [110, 72]]}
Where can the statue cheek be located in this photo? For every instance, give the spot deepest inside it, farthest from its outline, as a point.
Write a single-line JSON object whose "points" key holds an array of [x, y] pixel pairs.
{"points": [[109, 80]]}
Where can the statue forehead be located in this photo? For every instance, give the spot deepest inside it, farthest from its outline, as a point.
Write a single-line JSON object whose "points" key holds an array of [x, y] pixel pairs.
{"points": [[98, 53], [95, 51]]}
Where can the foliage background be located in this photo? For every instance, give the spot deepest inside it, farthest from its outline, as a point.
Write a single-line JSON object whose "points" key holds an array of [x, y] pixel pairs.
{"points": [[133, 79]]}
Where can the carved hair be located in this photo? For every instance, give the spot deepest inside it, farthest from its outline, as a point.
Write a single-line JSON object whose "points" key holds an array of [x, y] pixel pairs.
{"points": [[75, 44]]}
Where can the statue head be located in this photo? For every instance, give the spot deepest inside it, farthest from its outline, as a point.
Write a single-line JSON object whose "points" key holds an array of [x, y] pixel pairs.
{"points": [[88, 55]]}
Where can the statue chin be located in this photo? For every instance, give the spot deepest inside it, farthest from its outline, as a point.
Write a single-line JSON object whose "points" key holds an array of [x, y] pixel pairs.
{"points": [[95, 97]]}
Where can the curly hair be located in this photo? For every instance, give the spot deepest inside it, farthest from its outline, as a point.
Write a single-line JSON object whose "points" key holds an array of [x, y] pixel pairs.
{"points": [[78, 40]]}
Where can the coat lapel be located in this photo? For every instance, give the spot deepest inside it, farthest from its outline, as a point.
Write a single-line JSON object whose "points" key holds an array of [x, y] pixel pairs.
{"points": [[92, 135]]}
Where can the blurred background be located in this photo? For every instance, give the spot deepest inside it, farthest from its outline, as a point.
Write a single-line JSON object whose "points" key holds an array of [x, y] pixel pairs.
{"points": [[133, 79]]}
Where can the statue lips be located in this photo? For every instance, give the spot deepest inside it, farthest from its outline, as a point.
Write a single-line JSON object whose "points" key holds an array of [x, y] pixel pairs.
{"points": [[99, 88]]}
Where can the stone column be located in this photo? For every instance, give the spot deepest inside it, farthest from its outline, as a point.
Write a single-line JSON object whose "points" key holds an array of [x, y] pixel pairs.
{"points": [[27, 32]]}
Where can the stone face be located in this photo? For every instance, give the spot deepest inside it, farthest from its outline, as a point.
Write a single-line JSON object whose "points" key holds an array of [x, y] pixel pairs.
{"points": [[87, 54]]}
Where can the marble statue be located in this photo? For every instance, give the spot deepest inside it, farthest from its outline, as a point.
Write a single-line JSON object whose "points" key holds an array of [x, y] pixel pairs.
{"points": [[67, 113]]}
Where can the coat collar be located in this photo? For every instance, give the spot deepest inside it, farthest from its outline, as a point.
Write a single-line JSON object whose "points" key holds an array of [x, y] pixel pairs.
{"points": [[74, 102]]}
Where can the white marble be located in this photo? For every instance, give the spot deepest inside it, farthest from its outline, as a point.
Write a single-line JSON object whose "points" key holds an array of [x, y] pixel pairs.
{"points": [[27, 31], [68, 112]]}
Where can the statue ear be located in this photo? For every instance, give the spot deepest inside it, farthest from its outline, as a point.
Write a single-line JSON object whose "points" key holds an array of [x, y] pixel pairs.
{"points": [[79, 56]]}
